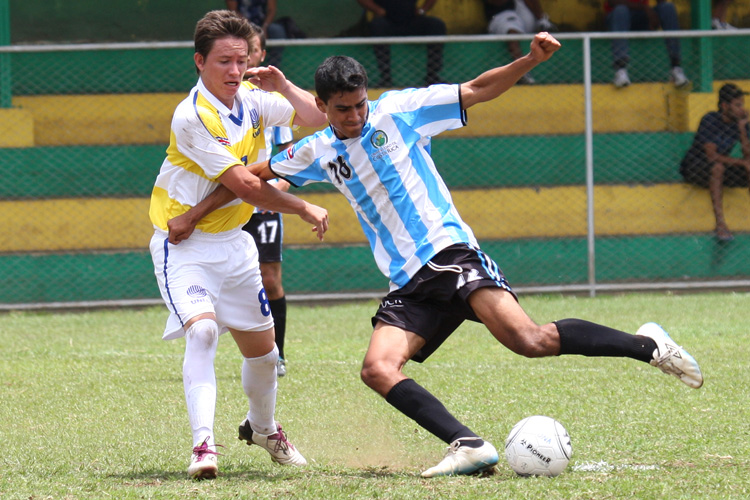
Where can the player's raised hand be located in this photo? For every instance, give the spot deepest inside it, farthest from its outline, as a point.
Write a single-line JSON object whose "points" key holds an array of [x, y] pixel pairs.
{"points": [[269, 78], [543, 46]]}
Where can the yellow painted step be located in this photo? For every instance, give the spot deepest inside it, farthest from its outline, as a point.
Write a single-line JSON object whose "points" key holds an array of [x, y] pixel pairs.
{"points": [[108, 224]]}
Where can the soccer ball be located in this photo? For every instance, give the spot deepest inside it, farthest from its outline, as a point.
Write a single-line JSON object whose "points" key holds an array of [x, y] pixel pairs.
{"points": [[538, 446]]}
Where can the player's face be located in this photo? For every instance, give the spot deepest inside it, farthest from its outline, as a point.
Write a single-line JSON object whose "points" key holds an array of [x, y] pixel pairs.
{"points": [[222, 69], [255, 55], [346, 112]]}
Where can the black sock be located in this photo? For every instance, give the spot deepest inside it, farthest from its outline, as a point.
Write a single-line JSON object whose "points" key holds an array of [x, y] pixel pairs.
{"points": [[589, 339], [278, 311], [417, 403]]}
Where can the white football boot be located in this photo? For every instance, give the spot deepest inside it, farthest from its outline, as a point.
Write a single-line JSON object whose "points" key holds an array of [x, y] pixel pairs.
{"points": [[277, 445], [203, 462], [463, 460], [672, 358]]}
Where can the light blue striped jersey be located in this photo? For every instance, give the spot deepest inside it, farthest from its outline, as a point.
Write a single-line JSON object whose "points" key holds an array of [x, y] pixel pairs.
{"points": [[389, 177]]}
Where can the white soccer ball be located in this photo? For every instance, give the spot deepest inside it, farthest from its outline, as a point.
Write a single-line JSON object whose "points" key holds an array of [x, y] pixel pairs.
{"points": [[538, 446]]}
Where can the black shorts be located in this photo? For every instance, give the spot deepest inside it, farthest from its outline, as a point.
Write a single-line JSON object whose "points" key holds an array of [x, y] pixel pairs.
{"points": [[699, 173], [268, 232], [435, 301]]}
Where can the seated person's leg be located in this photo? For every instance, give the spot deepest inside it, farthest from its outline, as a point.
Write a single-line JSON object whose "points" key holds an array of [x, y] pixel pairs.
{"points": [[381, 27], [275, 32]]}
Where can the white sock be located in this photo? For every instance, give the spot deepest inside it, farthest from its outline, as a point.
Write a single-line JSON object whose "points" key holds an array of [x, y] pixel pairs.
{"points": [[259, 383], [199, 379]]}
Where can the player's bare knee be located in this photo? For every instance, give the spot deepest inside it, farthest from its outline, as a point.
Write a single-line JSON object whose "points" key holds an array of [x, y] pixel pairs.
{"points": [[534, 342], [374, 373]]}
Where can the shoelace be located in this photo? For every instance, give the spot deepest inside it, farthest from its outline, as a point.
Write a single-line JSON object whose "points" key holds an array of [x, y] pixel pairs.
{"points": [[664, 361], [282, 444], [455, 445], [202, 449]]}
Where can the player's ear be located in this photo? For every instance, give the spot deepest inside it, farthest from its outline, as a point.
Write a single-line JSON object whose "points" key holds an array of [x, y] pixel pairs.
{"points": [[263, 56], [198, 58], [321, 105]]}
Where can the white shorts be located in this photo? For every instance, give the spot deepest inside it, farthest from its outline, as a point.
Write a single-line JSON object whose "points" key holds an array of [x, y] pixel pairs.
{"points": [[520, 20], [210, 273]]}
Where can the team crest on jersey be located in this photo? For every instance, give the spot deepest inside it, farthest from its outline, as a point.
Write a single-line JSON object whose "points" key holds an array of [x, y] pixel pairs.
{"points": [[255, 120], [223, 141], [379, 139]]}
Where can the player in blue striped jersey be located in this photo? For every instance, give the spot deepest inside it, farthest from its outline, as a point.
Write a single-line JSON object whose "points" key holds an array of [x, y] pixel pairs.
{"points": [[377, 154]]}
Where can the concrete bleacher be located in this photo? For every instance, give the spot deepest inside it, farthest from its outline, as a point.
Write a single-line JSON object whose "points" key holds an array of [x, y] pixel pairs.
{"points": [[542, 159], [119, 137], [467, 16]]}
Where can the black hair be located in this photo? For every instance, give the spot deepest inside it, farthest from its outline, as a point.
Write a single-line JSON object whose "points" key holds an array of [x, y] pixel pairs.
{"points": [[258, 31], [339, 74]]}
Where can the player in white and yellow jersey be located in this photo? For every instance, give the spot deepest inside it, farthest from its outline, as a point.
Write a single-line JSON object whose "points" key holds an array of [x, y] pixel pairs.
{"points": [[208, 281]]}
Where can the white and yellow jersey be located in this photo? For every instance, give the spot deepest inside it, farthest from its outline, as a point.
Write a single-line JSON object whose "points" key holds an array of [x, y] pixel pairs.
{"points": [[205, 140]]}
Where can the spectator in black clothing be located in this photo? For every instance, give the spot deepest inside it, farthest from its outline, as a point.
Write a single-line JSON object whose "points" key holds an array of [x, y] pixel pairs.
{"points": [[707, 163], [404, 18]]}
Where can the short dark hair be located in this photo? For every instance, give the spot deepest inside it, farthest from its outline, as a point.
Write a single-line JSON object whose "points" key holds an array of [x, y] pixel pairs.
{"points": [[729, 92], [339, 74], [258, 31], [218, 24]]}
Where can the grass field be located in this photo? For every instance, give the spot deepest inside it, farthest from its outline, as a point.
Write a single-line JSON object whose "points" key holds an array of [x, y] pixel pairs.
{"points": [[92, 408]]}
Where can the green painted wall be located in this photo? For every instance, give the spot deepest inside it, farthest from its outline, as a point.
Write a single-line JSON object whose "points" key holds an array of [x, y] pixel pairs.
{"points": [[129, 275], [128, 171], [169, 20]]}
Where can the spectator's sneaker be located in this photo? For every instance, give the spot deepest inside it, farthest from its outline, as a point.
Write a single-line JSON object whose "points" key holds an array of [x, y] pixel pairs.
{"points": [[527, 79], [282, 451], [280, 367], [203, 462], [718, 24], [464, 460], [544, 24], [671, 358], [677, 75], [621, 79]]}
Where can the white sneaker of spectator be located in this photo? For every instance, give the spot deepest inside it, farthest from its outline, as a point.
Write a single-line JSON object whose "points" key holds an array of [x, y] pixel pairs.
{"points": [[544, 24], [718, 24], [677, 75], [621, 78]]}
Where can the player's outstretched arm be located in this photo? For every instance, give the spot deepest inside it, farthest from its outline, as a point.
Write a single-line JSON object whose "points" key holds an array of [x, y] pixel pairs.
{"points": [[273, 80], [252, 189], [240, 182], [494, 82], [182, 226]]}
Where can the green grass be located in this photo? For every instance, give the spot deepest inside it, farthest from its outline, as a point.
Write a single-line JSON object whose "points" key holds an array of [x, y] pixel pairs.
{"points": [[92, 407]]}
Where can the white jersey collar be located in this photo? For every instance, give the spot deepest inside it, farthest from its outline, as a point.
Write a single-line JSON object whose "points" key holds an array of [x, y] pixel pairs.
{"points": [[220, 107]]}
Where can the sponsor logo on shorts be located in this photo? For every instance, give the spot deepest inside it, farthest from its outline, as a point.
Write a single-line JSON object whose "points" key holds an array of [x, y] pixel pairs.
{"points": [[391, 303], [223, 141], [197, 291], [472, 275]]}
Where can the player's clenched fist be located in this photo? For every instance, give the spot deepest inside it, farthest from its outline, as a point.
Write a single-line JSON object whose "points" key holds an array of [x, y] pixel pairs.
{"points": [[543, 46]]}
